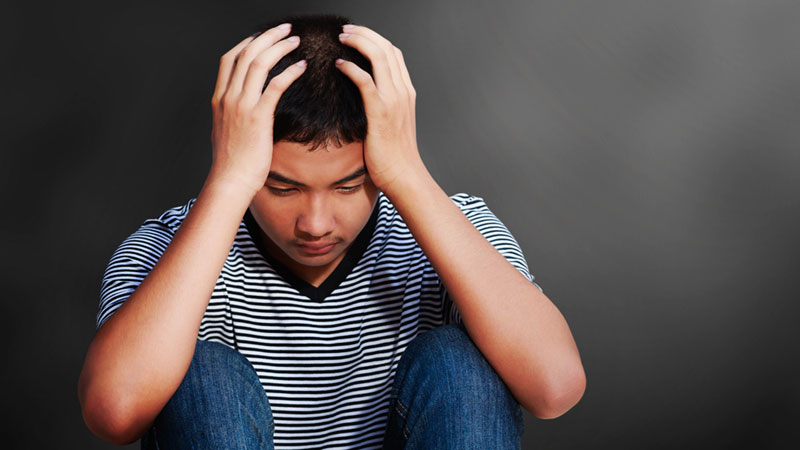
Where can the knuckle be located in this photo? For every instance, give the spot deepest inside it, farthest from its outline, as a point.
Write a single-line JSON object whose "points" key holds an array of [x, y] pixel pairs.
{"points": [[281, 82], [276, 84], [268, 100], [252, 118], [227, 102], [258, 63], [241, 109]]}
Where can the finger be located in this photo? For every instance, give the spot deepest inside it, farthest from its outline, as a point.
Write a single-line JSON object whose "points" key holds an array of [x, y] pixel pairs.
{"points": [[404, 72], [361, 79], [377, 56], [276, 87], [409, 87], [226, 64], [251, 51], [384, 44], [262, 64]]}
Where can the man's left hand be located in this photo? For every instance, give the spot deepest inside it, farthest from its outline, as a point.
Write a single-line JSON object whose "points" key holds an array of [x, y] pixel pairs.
{"points": [[390, 149]]}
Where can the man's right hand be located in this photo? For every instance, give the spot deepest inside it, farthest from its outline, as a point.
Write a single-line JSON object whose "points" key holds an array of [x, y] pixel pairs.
{"points": [[129, 373], [242, 115]]}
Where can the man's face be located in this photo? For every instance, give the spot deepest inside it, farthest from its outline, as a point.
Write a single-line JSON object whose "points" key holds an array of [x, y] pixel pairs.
{"points": [[313, 206]]}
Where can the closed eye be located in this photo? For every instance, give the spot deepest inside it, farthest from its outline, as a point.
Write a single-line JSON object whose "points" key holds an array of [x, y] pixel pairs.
{"points": [[278, 191], [349, 189], [343, 189]]}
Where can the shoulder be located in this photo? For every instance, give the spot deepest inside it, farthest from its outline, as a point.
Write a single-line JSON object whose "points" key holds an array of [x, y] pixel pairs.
{"points": [[155, 233], [467, 202], [463, 200], [474, 207], [173, 217]]}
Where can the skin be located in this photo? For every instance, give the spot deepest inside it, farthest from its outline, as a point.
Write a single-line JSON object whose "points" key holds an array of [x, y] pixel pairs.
{"points": [[516, 327], [304, 201], [139, 357]]}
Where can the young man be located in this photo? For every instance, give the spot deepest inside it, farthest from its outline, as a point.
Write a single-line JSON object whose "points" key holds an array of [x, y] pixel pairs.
{"points": [[323, 266]]}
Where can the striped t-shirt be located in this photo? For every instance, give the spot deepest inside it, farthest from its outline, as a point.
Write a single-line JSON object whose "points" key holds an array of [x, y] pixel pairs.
{"points": [[326, 356]]}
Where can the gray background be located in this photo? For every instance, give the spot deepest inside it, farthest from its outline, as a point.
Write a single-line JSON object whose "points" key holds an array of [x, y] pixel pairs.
{"points": [[644, 154]]}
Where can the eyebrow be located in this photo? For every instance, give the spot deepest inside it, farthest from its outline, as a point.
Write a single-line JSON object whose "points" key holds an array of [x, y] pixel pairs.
{"points": [[278, 177]]}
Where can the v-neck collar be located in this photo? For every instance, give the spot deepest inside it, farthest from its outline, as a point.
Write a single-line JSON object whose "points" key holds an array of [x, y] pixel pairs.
{"points": [[346, 265]]}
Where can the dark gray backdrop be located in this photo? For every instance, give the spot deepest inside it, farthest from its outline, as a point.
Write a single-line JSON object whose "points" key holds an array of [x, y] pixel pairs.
{"points": [[644, 154]]}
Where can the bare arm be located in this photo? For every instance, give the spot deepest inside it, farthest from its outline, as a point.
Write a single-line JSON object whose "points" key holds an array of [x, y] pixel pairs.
{"points": [[516, 327], [140, 355]]}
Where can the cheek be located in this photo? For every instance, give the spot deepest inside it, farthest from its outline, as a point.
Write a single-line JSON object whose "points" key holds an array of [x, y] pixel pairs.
{"points": [[359, 209], [276, 218], [282, 219]]}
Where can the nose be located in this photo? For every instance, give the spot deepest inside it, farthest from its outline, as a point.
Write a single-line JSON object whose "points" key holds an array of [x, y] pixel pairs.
{"points": [[317, 220]]}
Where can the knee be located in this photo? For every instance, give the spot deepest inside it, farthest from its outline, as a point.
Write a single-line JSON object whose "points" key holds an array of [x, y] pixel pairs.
{"points": [[219, 373], [444, 379], [209, 355], [220, 403], [214, 363], [447, 361]]}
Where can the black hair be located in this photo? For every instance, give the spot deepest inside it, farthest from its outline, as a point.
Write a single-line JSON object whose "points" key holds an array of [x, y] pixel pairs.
{"points": [[323, 106]]}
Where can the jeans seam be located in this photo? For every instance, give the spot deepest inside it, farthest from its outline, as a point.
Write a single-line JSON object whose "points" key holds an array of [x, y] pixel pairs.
{"points": [[403, 412]]}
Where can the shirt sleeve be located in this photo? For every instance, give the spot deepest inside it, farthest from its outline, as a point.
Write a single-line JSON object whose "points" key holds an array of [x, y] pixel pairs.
{"points": [[130, 264], [497, 234]]}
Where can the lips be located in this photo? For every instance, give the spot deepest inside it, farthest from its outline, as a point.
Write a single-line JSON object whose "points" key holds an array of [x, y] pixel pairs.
{"points": [[317, 248]]}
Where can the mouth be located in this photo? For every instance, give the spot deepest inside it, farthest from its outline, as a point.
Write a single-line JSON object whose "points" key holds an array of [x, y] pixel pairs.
{"points": [[317, 249]]}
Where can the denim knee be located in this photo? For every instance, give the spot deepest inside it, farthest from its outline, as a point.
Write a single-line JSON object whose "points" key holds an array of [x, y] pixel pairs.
{"points": [[219, 402], [447, 395], [459, 367], [225, 371]]}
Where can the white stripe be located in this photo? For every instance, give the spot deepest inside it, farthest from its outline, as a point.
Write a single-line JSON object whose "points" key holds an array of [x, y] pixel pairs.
{"points": [[327, 367]]}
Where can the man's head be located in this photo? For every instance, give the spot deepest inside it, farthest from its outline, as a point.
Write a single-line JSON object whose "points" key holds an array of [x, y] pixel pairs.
{"points": [[322, 106], [318, 191]]}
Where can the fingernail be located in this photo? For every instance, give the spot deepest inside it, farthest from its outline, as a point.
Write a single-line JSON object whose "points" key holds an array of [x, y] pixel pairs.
{"points": [[348, 27], [301, 63], [344, 35], [285, 26], [293, 39], [339, 61]]}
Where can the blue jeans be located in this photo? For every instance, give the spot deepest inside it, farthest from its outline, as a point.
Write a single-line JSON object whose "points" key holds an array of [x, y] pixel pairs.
{"points": [[445, 396]]}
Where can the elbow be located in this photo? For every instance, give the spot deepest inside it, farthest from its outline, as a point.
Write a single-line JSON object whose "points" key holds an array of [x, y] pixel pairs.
{"points": [[561, 396], [104, 416], [108, 428]]}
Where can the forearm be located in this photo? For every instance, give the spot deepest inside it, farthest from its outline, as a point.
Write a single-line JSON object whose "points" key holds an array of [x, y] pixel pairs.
{"points": [[140, 354], [519, 331]]}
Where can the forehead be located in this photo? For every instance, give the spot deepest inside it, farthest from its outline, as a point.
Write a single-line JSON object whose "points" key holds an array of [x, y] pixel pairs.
{"points": [[318, 167]]}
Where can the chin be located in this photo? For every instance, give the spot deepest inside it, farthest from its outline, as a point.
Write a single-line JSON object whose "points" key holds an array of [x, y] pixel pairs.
{"points": [[313, 261]]}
